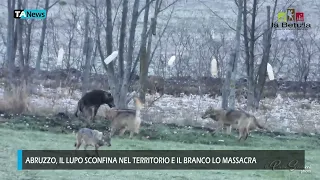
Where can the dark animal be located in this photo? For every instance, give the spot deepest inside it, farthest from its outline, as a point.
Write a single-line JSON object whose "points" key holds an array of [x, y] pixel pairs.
{"points": [[91, 101]]}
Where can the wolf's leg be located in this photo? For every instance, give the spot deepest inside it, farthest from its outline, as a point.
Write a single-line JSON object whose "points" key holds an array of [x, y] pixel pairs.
{"points": [[76, 113], [112, 131], [229, 129], [241, 133], [134, 130], [96, 150], [122, 131], [87, 114], [91, 112], [246, 134], [131, 134], [137, 128], [219, 128], [85, 147], [95, 110], [78, 144]]}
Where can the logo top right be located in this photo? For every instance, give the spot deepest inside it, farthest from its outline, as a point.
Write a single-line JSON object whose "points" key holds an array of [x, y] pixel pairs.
{"points": [[291, 20]]}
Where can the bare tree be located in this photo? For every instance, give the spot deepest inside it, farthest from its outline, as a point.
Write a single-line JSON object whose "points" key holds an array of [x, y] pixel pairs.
{"points": [[122, 39], [262, 72], [143, 54], [10, 41], [43, 35], [120, 74], [228, 93], [303, 53], [109, 43], [182, 39], [256, 82], [20, 28], [249, 48], [120, 87], [25, 61], [87, 52], [72, 33], [279, 54], [144, 64]]}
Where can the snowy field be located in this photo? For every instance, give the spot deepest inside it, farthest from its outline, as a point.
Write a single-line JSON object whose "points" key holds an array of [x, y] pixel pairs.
{"points": [[281, 114]]}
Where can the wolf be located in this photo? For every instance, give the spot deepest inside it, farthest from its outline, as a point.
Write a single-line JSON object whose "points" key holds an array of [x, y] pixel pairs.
{"points": [[155, 84], [92, 137], [125, 119], [243, 120], [91, 101]]}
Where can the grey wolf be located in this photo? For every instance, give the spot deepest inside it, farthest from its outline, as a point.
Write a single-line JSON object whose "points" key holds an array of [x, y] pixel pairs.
{"points": [[155, 84], [125, 119], [91, 101], [243, 120], [93, 138]]}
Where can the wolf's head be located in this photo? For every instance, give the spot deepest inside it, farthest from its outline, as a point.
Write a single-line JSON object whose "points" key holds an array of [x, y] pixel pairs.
{"points": [[106, 139], [211, 113], [110, 114], [108, 99]]}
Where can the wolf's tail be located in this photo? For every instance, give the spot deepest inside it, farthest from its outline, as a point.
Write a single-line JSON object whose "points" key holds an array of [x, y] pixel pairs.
{"points": [[139, 106]]}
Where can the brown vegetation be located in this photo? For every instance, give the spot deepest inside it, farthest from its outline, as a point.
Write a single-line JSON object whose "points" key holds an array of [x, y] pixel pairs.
{"points": [[16, 101]]}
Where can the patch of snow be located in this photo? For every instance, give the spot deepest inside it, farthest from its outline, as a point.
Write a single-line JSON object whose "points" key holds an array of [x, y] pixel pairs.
{"points": [[283, 116]]}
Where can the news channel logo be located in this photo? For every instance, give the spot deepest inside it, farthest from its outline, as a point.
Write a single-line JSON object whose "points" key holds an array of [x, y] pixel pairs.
{"points": [[38, 14]]}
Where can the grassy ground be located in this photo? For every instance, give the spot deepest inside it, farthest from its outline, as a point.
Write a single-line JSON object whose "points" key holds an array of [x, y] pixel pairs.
{"points": [[11, 140]]}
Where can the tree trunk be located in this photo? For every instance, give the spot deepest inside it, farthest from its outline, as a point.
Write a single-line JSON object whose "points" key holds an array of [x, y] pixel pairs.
{"points": [[10, 43], [246, 49], [124, 87], [120, 95], [228, 94], [143, 73], [87, 52], [87, 66], [20, 38], [68, 65], [143, 55], [42, 38], [251, 77], [109, 43], [110, 67], [27, 52], [265, 58], [15, 38], [122, 39]]}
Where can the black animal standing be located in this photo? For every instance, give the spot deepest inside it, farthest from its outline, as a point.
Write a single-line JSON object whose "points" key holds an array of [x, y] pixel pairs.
{"points": [[92, 100]]}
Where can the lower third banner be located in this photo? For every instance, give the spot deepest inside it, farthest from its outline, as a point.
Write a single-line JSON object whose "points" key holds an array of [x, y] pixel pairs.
{"points": [[161, 159]]}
